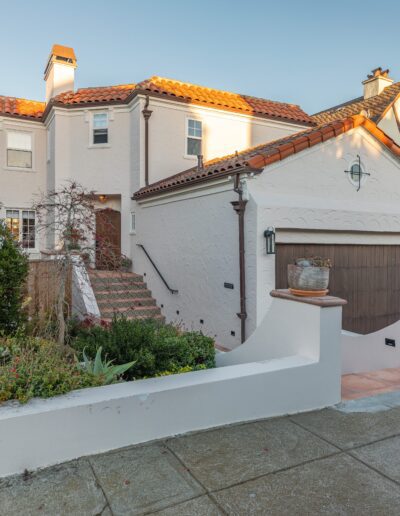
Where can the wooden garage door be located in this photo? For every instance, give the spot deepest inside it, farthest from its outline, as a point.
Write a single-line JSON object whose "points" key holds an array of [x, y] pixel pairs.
{"points": [[368, 276]]}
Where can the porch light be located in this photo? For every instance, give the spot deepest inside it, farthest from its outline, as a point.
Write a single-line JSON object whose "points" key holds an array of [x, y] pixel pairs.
{"points": [[103, 198], [270, 240]]}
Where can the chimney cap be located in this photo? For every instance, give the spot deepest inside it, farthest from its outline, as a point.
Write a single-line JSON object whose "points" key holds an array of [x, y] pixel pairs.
{"points": [[62, 51], [378, 72]]}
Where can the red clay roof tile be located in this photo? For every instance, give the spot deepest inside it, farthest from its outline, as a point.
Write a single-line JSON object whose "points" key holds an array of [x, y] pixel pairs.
{"points": [[11, 106]]}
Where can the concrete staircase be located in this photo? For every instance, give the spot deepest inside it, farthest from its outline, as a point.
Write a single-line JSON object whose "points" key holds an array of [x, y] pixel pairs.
{"points": [[123, 293]]}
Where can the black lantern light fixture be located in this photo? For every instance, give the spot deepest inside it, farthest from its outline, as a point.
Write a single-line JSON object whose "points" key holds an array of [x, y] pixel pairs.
{"points": [[270, 240]]}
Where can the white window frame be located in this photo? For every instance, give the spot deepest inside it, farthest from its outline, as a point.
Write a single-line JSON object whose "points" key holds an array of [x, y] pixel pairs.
{"points": [[187, 136], [20, 226], [32, 137], [132, 222], [93, 145]]}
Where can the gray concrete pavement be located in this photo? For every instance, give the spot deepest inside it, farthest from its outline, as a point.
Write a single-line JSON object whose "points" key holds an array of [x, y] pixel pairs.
{"points": [[343, 460]]}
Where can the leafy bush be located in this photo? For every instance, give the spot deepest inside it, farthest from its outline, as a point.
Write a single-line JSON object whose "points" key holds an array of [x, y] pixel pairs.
{"points": [[155, 348], [13, 273], [33, 367]]}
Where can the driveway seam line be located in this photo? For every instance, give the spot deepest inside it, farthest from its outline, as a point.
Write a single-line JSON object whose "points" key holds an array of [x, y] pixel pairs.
{"points": [[100, 486]]}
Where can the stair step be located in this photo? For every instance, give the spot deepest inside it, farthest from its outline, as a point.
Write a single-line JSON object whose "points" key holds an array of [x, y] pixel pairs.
{"points": [[112, 287], [159, 317], [116, 281], [105, 295], [141, 311], [113, 274], [121, 302]]}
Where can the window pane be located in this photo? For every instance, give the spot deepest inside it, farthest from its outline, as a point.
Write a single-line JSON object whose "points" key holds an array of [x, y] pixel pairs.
{"points": [[19, 140], [100, 136], [19, 158], [100, 121], [194, 128], [193, 147], [12, 222], [28, 229]]}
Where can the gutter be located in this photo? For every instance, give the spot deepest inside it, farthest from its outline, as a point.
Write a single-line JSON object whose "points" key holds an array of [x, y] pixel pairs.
{"points": [[146, 112], [240, 207]]}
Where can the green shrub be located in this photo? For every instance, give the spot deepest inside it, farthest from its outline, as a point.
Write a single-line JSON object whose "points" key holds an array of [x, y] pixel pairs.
{"points": [[13, 273], [154, 348], [33, 367]]}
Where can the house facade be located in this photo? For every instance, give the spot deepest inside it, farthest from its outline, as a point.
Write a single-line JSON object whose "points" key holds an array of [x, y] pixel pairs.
{"points": [[115, 140], [332, 190], [192, 179]]}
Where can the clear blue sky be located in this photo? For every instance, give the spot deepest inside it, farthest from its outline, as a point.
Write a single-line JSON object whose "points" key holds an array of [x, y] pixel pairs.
{"points": [[312, 53]]}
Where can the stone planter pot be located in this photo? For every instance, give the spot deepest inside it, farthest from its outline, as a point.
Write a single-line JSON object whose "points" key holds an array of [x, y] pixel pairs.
{"points": [[308, 278]]}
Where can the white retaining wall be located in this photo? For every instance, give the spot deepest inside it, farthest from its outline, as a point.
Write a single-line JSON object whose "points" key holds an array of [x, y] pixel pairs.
{"points": [[291, 364]]}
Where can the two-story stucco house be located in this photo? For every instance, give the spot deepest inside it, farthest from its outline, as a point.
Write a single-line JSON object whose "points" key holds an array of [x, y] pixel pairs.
{"points": [[117, 139], [262, 183]]}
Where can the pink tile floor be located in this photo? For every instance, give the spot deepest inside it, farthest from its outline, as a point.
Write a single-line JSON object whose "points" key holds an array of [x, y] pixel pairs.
{"points": [[362, 385]]}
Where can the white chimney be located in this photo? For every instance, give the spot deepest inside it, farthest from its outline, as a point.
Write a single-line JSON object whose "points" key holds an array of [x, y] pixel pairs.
{"points": [[376, 82], [60, 71]]}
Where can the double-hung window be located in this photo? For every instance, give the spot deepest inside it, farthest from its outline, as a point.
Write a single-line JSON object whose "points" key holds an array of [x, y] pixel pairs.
{"points": [[22, 224], [194, 134], [100, 128], [19, 149]]}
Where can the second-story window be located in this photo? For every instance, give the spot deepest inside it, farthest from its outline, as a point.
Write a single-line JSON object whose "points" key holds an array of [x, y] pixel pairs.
{"points": [[194, 136], [19, 149], [100, 128]]}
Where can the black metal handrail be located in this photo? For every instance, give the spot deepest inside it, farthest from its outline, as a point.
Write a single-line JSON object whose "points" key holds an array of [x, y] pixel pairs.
{"points": [[172, 290]]}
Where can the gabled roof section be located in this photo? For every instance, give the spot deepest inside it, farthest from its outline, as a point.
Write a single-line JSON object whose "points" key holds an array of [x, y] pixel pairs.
{"points": [[225, 100], [187, 93], [374, 106], [21, 108], [257, 158]]}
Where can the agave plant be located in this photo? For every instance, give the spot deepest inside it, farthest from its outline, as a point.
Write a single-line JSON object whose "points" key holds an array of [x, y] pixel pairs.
{"points": [[98, 367]]}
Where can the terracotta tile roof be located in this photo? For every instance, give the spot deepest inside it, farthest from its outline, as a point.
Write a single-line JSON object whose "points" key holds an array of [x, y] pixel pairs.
{"points": [[177, 90], [374, 106], [256, 158], [189, 93], [182, 92], [95, 95], [11, 106]]}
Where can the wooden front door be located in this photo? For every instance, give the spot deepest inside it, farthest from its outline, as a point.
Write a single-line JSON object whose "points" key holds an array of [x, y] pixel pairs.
{"points": [[367, 276], [108, 239]]}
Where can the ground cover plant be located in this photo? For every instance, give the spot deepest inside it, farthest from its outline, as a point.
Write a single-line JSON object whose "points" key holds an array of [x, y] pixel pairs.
{"points": [[34, 367], [156, 349]]}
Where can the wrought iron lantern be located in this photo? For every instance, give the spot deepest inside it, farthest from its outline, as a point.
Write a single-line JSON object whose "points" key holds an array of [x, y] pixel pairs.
{"points": [[269, 235]]}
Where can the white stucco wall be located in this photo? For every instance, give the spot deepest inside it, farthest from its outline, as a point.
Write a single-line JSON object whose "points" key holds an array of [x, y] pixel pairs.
{"points": [[223, 133], [389, 124], [311, 191], [193, 239]]}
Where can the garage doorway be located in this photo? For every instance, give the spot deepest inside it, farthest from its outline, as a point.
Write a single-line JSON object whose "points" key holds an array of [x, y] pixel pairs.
{"points": [[367, 276]]}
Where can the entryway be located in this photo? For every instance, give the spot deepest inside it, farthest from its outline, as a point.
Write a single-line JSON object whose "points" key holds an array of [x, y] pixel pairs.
{"points": [[108, 239]]}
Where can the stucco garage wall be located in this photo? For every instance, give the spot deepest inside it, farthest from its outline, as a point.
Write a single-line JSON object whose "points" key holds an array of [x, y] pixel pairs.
{"points": [[194, 242], [311, 191]]}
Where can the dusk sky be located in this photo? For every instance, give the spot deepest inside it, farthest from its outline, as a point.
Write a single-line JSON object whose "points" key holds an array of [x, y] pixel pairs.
{"points": [[312, 53]]}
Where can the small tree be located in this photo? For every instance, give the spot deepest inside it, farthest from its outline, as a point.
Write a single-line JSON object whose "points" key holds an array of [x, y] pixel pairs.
{"points": [[13, 274], [66, 217]]}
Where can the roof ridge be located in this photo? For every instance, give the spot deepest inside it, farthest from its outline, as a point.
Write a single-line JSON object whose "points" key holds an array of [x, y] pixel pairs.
{"points": [[209, 88]]}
